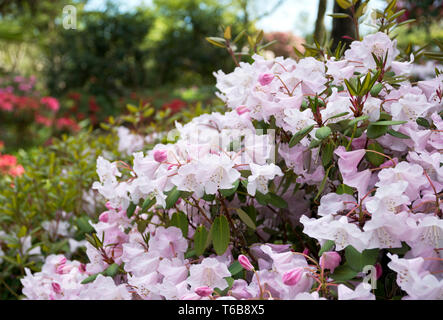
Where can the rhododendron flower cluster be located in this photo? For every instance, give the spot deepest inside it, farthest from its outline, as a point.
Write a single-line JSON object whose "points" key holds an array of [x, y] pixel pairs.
{"points": [[344, 151]]}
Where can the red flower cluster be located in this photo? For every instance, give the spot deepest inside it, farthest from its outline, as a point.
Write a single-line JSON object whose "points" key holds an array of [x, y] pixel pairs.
{"points": [[9, 166], [175, 105], [19, 98], [80, 111]]}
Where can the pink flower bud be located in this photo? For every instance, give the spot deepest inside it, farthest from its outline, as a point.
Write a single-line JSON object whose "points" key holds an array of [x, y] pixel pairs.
{"points": [[292, 277], [379, 270], [63, 269], [306, 251], [244, 261], [204, 291], [241, 110], [330, 260], [56, 287], [160, 155], [62, 260], [104, 217], [265, 79]]}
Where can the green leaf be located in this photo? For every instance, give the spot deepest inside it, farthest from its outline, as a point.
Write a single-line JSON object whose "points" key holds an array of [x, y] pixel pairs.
{"points": [[261, 198], [338, 115], [259, 37], [172, 198], [314, 143], [344, 4], [398, 134], [297, 137], [358, 260], [387, 123], [366, 85], [131, 108], [89, 279], [400, 251], [327, 152], [374, 158], [239, 36], [229, 192], [423, 122], [218, 42], [356, 120], [200, 237], [147, 204], [351, 88], [343, 273], [208, 197], [235, 268], [141, 225], [323, 183], [277, 201], [220, 234], [376, 89], [339, 15], [246, 219], [323, 133], [84, 225], [111, 270], [189, 254], [327, 246], [343, 188], [131, 209], [22, 232], [374, 132], [227, 34], [180, 221]]}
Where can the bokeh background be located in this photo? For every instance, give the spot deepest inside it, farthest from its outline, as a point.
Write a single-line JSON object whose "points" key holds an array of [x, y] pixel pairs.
{"points": [[151, 51]]}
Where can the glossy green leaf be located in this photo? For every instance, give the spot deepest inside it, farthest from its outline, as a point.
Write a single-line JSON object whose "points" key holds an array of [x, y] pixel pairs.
{"points": [[297, 137], [200, 239], [220, 234], [180, 221], [246, 219]]}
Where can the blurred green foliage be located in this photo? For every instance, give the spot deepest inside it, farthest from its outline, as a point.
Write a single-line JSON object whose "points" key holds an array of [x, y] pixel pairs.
{"points": [[103, 56], [51, 189]]}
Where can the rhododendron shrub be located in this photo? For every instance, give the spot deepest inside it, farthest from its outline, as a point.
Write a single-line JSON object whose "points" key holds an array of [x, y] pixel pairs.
{"points": [[321, 180]]}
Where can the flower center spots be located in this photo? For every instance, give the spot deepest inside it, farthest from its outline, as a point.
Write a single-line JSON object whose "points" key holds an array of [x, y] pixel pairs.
{"points": [[262, 183], [431, 236], [208, 277], [384, 237], [341, 238], [217, 176]]}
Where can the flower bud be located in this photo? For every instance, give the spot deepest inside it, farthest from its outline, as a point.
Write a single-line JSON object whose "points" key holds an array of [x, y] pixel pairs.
{"points": [[379, 270], [265, 79], [104, 217], [241, 110], [63, 269], [56, 287], [244, 261], [204, 291], [160, 155], [330, 260], [292, 277]]}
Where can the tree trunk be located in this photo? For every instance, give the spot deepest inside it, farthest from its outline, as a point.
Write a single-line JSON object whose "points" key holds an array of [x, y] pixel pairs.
{"points": [[342, 27], [320, 31]]}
